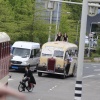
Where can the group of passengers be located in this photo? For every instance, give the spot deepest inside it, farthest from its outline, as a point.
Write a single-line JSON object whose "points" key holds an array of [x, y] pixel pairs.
{"points": [[61, 37]]}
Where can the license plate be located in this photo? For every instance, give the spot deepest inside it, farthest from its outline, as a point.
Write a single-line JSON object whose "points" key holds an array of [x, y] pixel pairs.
{"points": [[14, 67]]}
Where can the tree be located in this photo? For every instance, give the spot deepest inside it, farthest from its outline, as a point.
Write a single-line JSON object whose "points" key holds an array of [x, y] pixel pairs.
{"points": [[67, 24], [75, 10]]}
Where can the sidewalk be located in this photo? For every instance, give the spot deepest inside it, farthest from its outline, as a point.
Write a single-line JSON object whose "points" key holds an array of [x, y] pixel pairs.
{"points": [[93, 60]]}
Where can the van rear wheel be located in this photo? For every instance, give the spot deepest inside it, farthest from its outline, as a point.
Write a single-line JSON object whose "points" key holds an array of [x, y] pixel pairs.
{"points": [[39, 73]]}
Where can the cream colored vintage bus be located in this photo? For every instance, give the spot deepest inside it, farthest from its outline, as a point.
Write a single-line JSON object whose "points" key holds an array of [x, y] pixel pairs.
{"points": [[58, 58], [4, 57]]}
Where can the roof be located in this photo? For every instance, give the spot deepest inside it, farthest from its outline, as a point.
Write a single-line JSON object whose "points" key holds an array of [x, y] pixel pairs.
{"points": [[25, 44], [4, 37], [60, 44]]}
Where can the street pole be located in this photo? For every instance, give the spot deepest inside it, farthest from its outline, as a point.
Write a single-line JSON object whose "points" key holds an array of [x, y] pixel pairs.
{"points": [[49, 38], [58, 5], [89, 48], [78, 86], [77, 31]]}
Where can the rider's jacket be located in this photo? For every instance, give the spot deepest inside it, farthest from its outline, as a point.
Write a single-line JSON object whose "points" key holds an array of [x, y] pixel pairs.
{"points": [[30, 75]]}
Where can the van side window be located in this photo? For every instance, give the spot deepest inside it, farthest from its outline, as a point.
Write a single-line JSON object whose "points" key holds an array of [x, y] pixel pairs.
{"points": [[36, 52]]}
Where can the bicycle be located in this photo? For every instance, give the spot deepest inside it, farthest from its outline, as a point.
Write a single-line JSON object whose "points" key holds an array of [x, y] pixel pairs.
{"points": [[29, 87]]}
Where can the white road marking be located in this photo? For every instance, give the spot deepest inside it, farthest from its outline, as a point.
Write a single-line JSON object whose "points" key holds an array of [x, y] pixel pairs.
{"points": [[10, 79], [88, 76], [94, 66], [96, 69], [53, 88], [55, 85]]}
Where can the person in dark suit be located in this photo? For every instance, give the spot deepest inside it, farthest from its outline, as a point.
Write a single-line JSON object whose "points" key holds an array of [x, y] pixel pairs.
{"points": [[65, 37], [28, 76], [59, 36]]}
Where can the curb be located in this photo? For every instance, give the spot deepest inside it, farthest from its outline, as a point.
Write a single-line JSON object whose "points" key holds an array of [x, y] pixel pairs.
{"points": [[93, 60]]}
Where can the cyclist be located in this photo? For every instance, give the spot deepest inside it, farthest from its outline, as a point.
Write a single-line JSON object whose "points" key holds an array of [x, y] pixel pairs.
{"points": [[28, 77]]}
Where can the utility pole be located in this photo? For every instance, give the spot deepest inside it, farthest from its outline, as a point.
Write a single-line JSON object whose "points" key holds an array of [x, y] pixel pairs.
{"points": [[50, 6], [49, 37], [78, 86], [77, 31], [58, 5]]}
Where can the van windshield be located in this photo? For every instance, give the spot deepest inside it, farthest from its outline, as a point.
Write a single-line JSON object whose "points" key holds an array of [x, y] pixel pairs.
{"points": [[22, 52], [58, 53]]}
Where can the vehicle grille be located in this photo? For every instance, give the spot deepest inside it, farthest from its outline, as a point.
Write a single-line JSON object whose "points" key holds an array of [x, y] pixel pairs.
{"points": [[51, 64], [16, 62]]}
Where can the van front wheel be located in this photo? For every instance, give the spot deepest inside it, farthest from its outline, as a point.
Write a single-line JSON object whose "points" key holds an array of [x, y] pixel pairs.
{"points": [[39, 73]]}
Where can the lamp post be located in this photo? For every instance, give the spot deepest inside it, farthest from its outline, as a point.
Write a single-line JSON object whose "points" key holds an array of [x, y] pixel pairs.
{"points": [[78, 86], [49, 38], [50, 6], [77, 31], [58, 5]]}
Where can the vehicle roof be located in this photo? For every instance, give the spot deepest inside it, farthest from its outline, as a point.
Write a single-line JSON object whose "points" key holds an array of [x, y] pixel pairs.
{"points": [[60, 44], [26, 44], [4, 37]]}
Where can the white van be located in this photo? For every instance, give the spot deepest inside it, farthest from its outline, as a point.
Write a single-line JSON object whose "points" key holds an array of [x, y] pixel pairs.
{"points": [[25, 54]]}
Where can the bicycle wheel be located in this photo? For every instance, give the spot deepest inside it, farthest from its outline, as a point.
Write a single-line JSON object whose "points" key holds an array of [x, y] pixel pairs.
{"points": [[30, 89], [20, 88]]}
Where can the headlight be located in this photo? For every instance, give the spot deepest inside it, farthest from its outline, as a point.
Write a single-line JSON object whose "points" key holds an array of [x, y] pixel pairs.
{"points": [[43, 64], [25, 63]]}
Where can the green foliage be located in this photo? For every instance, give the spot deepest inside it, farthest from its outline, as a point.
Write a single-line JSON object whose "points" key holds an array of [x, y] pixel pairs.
{"points": [[22, 20], [75, 10], [98, 47], [68, 24]]}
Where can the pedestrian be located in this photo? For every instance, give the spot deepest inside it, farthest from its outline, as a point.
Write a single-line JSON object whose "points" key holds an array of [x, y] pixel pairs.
{"points": [[7, 91], [28, 76], [65, 37], [59, 36]]}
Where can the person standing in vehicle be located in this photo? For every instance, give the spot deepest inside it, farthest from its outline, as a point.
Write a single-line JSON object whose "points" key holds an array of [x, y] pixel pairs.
{"points": [[28, 76], [65, 37], [59, 36]]}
